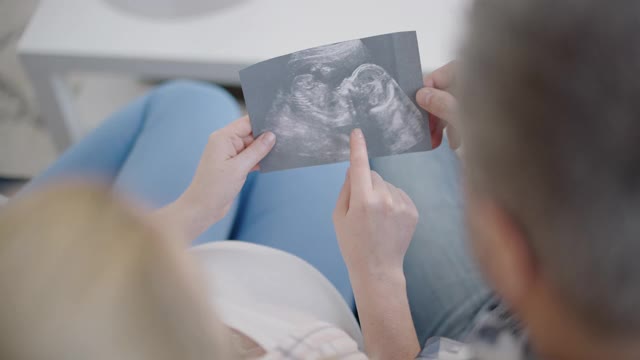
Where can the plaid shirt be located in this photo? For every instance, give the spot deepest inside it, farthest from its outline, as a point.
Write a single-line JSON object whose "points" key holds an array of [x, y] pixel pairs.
{"points": [[496, 335], [316, 341]]}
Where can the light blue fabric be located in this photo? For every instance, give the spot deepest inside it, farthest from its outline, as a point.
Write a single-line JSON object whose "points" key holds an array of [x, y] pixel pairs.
{"points": [[444, 287], [151, 148]]}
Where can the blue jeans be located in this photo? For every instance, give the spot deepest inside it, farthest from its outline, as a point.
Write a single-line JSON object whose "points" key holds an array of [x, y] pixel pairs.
{"points": [[151, 148], [444, 287]]}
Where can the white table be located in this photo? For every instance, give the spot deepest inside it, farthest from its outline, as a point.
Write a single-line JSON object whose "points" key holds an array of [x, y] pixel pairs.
{"points": [[92, 35]]}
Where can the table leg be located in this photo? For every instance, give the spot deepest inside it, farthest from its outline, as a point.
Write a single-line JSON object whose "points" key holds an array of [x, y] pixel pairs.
{"points": [[55, 103]]}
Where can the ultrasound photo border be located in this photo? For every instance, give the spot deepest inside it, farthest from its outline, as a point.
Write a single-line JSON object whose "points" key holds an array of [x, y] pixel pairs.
{"points": [[264, 79]]}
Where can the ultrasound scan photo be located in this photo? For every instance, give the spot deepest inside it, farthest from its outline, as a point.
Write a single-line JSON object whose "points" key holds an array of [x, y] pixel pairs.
{"points": [[312, 100]]}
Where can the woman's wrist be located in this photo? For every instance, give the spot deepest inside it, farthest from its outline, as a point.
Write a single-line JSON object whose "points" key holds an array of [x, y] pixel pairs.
{"points": [[385, 315], [185, 216], [372, 278]]}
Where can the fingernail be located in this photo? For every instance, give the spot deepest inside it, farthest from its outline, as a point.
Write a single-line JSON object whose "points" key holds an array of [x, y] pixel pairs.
{"points": [[424, 95], [269, 138], [358, 133]]}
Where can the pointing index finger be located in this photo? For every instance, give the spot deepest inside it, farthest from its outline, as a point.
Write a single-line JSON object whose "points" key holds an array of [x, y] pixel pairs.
{"points": [[360, 172]]}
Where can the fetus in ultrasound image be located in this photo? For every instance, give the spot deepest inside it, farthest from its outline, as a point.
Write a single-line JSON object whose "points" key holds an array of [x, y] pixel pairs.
{"points": [[333, 90], [330, 90]]}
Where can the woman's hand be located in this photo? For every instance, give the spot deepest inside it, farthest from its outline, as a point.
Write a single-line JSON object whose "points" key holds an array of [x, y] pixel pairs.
{"points": [[436, 98], [374, 220], [229, 156]]}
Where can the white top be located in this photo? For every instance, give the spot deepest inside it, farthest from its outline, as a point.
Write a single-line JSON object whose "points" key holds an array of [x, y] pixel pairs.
{"points": [[270, 295], [236, 36]]}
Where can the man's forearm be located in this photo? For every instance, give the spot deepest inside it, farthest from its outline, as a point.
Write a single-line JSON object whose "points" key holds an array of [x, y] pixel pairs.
{"points": [[385, 316]]}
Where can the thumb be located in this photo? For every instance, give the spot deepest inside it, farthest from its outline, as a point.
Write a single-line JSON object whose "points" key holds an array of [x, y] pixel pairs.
{"points": [[248, 158], [438, 102], [445, 107]]}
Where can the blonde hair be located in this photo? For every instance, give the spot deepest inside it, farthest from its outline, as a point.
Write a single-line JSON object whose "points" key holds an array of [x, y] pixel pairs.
{"points": [[83, 277]]}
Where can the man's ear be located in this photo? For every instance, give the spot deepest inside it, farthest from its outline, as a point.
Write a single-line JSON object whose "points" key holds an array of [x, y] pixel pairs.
{"points": [[501, 247]]}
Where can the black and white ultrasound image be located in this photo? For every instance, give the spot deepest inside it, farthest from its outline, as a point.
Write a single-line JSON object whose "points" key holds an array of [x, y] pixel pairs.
{"points": [[313, 99]]}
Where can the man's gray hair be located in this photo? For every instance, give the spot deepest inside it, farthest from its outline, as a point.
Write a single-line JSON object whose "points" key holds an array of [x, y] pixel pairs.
{"points": [[550, 91]]}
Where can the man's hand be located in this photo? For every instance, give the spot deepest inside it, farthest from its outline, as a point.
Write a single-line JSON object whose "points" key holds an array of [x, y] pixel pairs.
{"points": [[436, 98], [229, 156], [374, 220]]}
